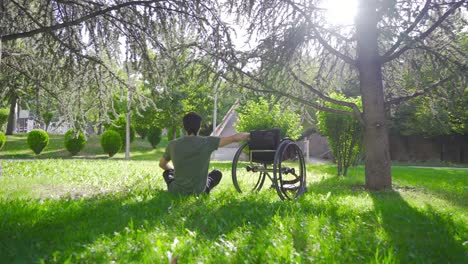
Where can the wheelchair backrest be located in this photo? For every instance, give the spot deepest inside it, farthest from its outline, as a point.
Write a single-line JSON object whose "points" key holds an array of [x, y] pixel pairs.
{"points": [[264, 140]]}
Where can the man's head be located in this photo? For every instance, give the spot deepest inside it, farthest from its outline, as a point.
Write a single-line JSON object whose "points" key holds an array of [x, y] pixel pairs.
{"points": [[192, 122]]}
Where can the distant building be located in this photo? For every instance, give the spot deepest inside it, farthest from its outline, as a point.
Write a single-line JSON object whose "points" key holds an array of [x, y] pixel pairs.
{"points": [[26, 121]]}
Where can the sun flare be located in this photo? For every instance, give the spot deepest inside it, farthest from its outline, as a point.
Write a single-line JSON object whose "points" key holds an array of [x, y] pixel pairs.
{"points": [[340, 12]]}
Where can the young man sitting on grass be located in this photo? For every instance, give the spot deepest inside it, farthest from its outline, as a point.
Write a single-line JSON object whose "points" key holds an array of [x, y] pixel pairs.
{"points": [[190, 156]]}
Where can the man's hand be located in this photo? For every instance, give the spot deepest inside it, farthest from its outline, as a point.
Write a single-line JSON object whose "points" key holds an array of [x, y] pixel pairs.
{"points": [[241, 136], [234, 138]]}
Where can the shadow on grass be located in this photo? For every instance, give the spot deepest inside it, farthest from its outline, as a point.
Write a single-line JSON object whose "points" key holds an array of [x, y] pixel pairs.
{"points": [[34, 230], [419, 235], [447, 184], [416, 234]]}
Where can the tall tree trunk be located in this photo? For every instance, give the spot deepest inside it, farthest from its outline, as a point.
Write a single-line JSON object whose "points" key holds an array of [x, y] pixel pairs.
{"points": [[376, 144], [174, 132], [12, 115]]}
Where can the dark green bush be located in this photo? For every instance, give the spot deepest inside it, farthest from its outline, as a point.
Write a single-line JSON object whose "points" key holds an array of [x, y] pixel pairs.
{"points": [[74, 142], [4, 112], [119, 127], [2, 140], [154, 136], [47, 117], [111, 142], [38, 139], [141, 130], [170, 133]]}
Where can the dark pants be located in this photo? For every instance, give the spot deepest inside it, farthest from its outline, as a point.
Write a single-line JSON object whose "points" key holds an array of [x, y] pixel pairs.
{"points": [[214, 177]]}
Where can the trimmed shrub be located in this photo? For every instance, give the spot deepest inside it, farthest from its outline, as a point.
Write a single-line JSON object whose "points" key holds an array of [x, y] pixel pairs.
{"points": [[37, 140], [119, 127], [4, 113], [154, 136], [111, 142], [2, 140], [74, 142]]}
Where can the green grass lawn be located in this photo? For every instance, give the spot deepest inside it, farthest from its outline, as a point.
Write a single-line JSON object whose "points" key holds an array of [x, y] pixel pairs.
{"points": [[55, 208], [105, 211]]}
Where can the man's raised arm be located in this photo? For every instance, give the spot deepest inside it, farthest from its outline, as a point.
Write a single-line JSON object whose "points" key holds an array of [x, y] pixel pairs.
{"points": [[233, 138]]}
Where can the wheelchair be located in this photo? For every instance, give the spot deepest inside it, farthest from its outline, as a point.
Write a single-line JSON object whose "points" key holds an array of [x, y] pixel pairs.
{"points": [[265, 155]]}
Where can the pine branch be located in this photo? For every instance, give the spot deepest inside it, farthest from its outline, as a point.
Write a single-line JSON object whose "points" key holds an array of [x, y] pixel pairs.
{"points": [[72, 22], [319, 37], [404, 35], [354, 107], [423, 35], [418, 93], [284, 94], [36, 81]]}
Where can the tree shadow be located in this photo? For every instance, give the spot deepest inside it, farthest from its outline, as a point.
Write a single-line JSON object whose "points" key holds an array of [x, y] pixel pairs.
{"points": [[34, 230], [447, 184], [213, 222], [418, 235], [415, 234], [31, 231]]}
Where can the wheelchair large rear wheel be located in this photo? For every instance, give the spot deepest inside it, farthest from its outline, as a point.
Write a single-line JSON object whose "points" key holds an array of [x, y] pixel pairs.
{"points": [[247, 176], [289, 171]]}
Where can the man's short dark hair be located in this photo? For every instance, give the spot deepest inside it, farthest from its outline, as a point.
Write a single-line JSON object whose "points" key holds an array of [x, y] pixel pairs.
{"points": [[192, 122]]}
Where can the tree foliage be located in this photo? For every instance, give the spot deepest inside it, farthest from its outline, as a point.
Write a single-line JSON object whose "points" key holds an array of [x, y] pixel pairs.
{"points": [[307, 57], [92, 50], [47, 118]]}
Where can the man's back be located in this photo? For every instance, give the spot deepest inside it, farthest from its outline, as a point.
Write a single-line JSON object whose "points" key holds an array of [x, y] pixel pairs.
{"points": [[191, 158]]}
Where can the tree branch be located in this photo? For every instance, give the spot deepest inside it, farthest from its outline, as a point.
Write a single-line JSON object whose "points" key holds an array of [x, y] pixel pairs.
{"points": [[284, 94], [287, 95], [404, 35], [354, 107], [320, 39], [72, 22], [424, 34], [418, 93], [69, 47], [36, 81]]}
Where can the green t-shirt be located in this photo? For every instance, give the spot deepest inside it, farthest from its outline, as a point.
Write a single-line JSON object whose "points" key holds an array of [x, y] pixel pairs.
{"points": [[191, 158]]}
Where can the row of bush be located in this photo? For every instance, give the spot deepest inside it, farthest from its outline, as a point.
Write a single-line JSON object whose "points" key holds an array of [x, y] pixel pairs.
{"points": [[112, 140]]}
